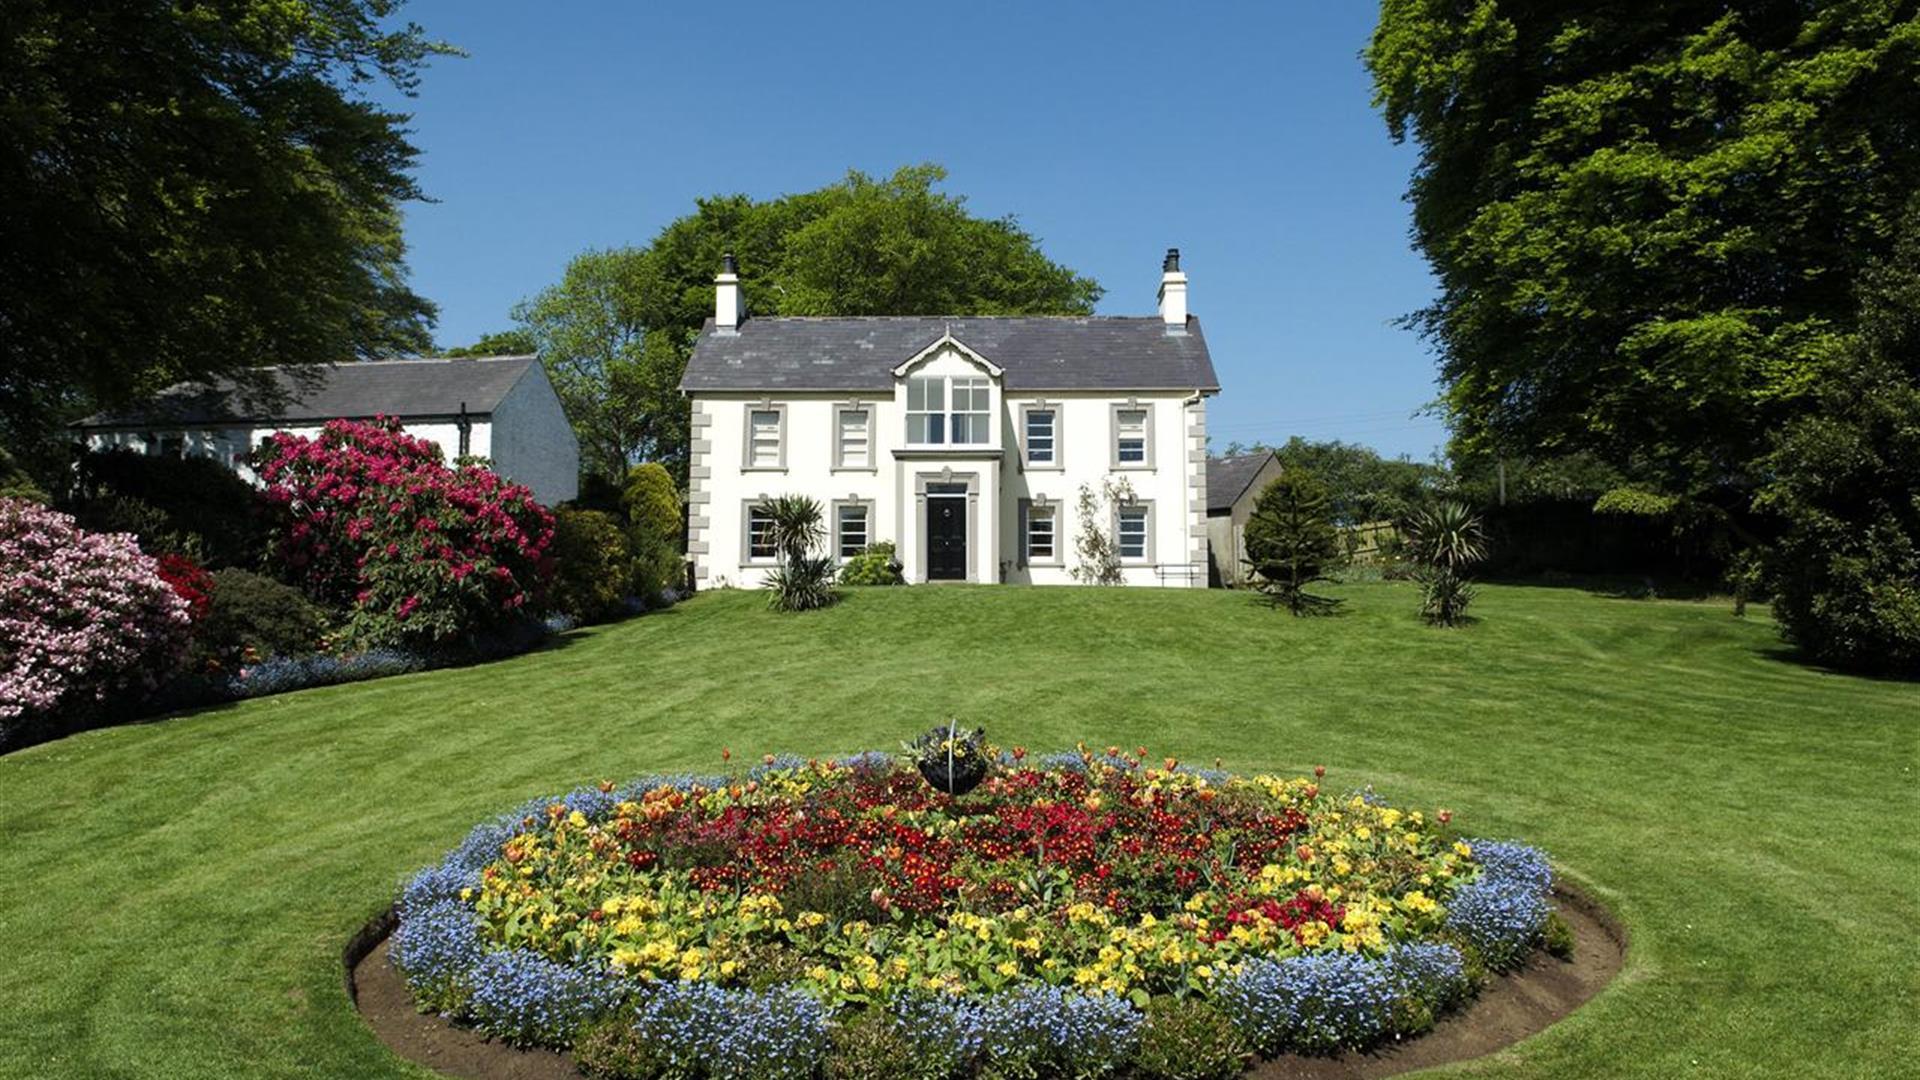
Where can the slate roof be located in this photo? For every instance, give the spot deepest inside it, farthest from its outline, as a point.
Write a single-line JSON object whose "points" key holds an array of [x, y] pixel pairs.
{"points": [[1229, 477], [402, 388], [1037, 352]]}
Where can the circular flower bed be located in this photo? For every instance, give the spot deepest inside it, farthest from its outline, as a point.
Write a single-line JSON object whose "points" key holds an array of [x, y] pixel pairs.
{"points": [[1083, 914]]}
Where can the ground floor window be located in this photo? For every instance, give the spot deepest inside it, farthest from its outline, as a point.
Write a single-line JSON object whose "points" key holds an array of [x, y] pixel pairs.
{"points": [[854, 524], [760, 534], [1132, 532], [1040, 534]]}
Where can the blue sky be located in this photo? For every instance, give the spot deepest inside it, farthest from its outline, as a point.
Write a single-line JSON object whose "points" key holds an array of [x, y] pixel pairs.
{"points": [[1241, 134]]}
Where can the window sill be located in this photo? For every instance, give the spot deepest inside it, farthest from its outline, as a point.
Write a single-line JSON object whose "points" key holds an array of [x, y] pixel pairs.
{"points": [[855, 469], [1132, 466], [763, 468], [1055, 467]]}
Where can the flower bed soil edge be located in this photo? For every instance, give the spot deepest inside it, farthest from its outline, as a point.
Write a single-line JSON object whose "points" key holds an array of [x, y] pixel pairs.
{"points": [[1510, 1008]]}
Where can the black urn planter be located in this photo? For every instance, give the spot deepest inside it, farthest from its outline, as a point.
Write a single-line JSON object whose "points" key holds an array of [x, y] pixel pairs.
{"points": [[955, 777]]}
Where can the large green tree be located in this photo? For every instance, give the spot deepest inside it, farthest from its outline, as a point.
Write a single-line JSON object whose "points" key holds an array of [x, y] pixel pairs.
{"points": [[1844, 482], [1648, 219], [192, 189], [616, 331]]}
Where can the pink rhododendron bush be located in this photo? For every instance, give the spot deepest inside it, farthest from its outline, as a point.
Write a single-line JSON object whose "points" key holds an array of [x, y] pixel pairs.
{"points": [[370, 520], [86, 618]]}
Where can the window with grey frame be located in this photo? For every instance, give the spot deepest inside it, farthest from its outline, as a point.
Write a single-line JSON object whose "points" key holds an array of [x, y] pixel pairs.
{"points": [[853, 435], [763, 438], [1042, 539], [853, 523], [1130, 436], [1043, 436], [760, 547], [1131, 523]]}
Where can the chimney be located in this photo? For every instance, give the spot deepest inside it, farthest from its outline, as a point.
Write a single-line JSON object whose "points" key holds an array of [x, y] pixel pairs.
{"points": [[1173, 291], [727, 307]]}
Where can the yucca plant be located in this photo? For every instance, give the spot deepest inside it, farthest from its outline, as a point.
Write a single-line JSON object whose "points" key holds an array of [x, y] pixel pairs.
{"points": [[802, 581], [1445, 540]]}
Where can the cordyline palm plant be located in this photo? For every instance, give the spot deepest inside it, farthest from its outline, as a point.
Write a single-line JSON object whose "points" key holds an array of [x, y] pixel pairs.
{"points": [[802, 581], [1445, 540]]}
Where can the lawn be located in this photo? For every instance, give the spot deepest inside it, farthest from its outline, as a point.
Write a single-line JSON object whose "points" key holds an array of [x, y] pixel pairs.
{"points": [[177, 894]]}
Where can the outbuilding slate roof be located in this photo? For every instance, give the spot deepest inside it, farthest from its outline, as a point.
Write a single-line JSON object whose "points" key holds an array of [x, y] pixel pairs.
{"points": [[1229, 477], [401, 388], [1036, 352]]}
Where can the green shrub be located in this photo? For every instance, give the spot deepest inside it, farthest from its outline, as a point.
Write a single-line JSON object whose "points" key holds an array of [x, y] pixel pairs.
{"points": [[149, 524], [1445, 540], [870, 1046], [1847, 566], [1188, 1039], [1558, 937], [802, 581], [15, 483], [875, 565], [613, 1050], [652, 505], [254, 612], [1292, 542], [205, 511], [593, 565]]}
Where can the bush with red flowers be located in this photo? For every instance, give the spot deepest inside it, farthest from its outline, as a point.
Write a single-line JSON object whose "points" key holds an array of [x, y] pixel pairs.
{"points": [[369, 519], [191, 581]]}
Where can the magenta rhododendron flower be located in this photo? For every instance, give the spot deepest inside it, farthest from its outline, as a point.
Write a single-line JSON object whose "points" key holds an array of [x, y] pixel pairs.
{"points": [[423, 553]]}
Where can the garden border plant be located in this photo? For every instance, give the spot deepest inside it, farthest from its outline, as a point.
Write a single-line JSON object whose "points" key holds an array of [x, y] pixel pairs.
{"points": [[1294, 970]]}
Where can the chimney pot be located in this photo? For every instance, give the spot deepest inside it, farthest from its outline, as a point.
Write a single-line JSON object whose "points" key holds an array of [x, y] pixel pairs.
{"points": [[728, 265], [1172, 261]]}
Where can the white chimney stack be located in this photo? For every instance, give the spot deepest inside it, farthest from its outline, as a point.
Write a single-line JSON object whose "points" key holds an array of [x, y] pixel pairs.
{"points": [[727, 307], [1173, 291]]}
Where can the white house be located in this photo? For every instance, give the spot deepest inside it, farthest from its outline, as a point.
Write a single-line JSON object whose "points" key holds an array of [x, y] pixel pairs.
{"points": [[501, 408], [966, 441]]}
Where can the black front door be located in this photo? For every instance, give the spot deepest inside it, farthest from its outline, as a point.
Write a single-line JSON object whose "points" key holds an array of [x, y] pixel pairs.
{"points": [[947, 538]]}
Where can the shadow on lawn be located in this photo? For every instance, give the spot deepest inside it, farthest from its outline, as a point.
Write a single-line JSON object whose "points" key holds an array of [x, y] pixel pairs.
{"points": [[166, 704]]}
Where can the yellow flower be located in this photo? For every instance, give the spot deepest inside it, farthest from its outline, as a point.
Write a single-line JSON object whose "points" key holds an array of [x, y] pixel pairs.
{"points": [[1008, 968], [577, 819]]}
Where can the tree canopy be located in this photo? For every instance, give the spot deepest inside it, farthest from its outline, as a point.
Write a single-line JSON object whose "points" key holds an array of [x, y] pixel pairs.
{"points": [[1845, 483], [616, 331], [1648, 220], [1361, 486], [196, 189]]}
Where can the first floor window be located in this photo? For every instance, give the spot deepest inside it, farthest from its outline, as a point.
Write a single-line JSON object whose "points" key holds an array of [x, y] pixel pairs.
{"points": [[763, 439], [760, 534], [972, 405], [1130, 435], [855, 452], [926, 409], [854, 530], [1040, 537], [1040, 437], [1133, 532]]}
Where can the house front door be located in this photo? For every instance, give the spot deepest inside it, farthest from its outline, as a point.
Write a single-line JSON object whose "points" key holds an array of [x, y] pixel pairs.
{"points": [[946, 537]]}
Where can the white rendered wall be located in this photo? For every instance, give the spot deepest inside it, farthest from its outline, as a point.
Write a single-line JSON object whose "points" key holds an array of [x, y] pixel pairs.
{"points": [[231, 445]]}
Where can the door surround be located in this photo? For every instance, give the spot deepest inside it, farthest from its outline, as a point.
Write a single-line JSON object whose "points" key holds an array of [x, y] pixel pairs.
{"points": [[948, 484]]}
